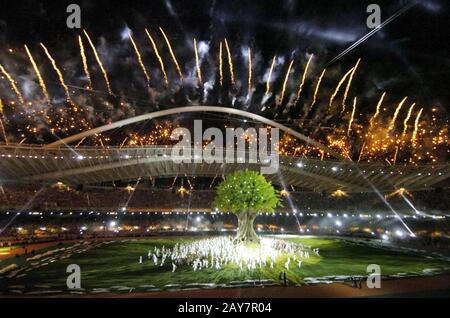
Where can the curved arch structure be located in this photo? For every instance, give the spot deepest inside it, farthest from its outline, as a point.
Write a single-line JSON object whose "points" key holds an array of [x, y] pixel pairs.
{"points": [[192, 109]]}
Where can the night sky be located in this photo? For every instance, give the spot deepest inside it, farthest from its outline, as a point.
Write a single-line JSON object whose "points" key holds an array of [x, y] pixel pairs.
{"points": [[409, 57]]}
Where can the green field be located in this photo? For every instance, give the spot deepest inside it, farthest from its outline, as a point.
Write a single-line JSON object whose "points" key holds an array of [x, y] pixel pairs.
{"points": [[116, 264]]}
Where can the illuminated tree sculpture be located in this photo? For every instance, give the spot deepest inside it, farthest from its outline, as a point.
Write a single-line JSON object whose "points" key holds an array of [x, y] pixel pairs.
{"points": [[246, 193]]}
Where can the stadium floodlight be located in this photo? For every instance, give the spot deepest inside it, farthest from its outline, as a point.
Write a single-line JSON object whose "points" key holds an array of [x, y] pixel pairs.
{"points": [[399, 233], [385, 237], [80, 157], [338, 223], [300, 164], [334, 169]]}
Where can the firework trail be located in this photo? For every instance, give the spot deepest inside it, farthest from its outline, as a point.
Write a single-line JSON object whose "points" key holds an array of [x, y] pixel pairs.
{"points": [[1, 123], [416, 128], [349, 83], [172, 54], [361, 152], [377, 111], [220, 65], [160, 60], [280, 101], [270, 76], [300, 88], [230, 61], [57, 70], [38, 74], [351, 117], [139, 58], [84, 60], [249, 52], [197, 63], [316, 90], [336, 91], [13, 84], [100, 64], [397, 111], [405, 122], [394, 160]]}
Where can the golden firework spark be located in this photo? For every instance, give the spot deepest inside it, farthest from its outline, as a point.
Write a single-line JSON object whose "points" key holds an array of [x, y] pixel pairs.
{"points": [[160, 60], [349, 83], [230, 61], [172, 54], [362, 151], [302, 82], [139, 58], [316, 90], [99, 62], [249, 52], [336, 91], [38, 74], [339, 193], [377, 111], [397, 111], [283, 90], [197, 62], [351, 117], [405, 122], [1, 123], [84, 60], [270, 75], [399, 192], [220, 65], [13, 84], [416, 128], [58, 72]]}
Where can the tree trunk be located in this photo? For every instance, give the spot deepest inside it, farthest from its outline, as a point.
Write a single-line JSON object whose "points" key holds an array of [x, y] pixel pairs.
{"points": [[245, 232]]}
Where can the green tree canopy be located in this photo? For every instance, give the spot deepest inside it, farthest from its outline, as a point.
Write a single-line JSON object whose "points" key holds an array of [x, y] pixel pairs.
{"points": [[244, 191]]}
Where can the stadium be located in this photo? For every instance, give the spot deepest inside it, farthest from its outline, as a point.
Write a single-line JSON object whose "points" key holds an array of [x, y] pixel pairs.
{"points": [[93, 204]]}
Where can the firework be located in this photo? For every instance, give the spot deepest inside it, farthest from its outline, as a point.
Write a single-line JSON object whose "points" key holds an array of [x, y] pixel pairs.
{"points": [[230, 61], [280, 101], [197, 62], [84, 60], [377, 111], [38, 74], [302, 82], [100, 64], [57, 70], [249, 52], [160, 60], [270, 76], [336, 91], [349, 83], [220, 64], [139, 58], [361, 152], [351, 117], [399, 192], [405, 122], [172, 54], [416, 128], [397, 111], [316, 90], [1, 123], [13, 84]]}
